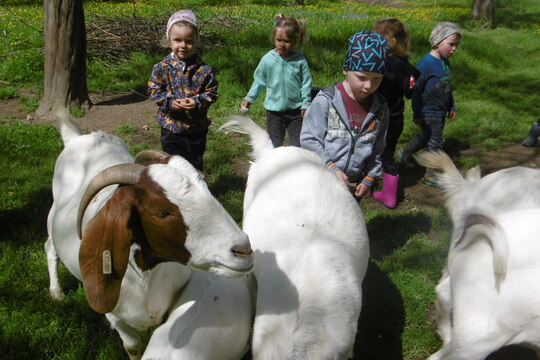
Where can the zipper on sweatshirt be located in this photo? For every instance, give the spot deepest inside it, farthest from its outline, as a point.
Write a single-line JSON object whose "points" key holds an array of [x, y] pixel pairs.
{"points": [[351, 150], [353, 140]]}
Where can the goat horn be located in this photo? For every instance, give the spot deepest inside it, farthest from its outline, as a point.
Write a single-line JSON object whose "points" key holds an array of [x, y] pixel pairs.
{"points": [[147, 156], [118, 174]]}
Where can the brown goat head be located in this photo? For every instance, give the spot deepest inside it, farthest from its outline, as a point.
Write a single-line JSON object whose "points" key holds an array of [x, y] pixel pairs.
{"points": [[139, 213], [153, 207]]}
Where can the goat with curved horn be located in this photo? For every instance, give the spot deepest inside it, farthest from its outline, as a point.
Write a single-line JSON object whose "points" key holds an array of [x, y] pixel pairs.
{"points": [[148, 156], [142, 239], [126, 174]]}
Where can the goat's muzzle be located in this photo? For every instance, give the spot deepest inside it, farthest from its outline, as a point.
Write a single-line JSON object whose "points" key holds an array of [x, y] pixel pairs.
{"points": [[242, 251]]}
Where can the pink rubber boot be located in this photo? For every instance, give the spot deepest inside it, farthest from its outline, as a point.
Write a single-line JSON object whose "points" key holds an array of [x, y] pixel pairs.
{"points": [[388, 195]]}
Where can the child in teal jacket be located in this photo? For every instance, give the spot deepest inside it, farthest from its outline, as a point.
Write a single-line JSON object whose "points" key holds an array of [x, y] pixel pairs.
{"points": [[284, 72]]}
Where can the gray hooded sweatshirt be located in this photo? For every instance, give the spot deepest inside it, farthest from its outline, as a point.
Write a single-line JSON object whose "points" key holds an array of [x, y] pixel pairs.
{"points": [[326, 131]]}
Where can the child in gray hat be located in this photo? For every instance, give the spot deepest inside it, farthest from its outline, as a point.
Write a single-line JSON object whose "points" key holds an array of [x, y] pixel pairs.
{"points": [[346, 123], [432, 100]]}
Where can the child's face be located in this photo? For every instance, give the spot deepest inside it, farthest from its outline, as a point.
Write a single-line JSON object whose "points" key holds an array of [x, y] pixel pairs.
{"points": [[448, 46], [284, 44], [182, 41], [362, 83]]}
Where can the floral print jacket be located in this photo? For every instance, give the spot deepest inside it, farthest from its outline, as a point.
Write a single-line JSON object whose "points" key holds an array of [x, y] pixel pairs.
{"points": [[172, 79]]}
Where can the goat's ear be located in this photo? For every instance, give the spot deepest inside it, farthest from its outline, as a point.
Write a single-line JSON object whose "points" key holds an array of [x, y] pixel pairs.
{"points": [[104, 252]]}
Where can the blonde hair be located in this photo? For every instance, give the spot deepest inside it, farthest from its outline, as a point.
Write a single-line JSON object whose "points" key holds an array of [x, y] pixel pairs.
{"points": [[393, 28], [295, 29]]}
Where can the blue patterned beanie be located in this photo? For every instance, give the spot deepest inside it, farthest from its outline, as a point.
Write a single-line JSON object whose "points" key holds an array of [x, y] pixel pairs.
{"points": [[367, 51]]}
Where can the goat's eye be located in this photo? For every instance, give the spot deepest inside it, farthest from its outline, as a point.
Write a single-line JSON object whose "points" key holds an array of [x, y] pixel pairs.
{"points": [[164, 214]]}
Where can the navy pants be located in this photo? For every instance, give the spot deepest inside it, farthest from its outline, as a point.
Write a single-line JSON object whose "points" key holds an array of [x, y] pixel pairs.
{"points": [[190, 146], [277, 122]]}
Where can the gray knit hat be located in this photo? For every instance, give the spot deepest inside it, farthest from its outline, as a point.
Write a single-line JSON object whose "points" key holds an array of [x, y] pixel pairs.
{"points": [[367, 51], [182, 15], [441, 31]]}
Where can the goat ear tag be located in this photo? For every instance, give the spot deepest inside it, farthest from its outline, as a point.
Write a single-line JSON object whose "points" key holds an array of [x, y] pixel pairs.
{"points": [[107, 262]]}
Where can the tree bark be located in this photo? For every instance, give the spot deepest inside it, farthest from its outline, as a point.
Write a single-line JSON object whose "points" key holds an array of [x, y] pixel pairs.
{"points": [[65, 56], [484, 10]]}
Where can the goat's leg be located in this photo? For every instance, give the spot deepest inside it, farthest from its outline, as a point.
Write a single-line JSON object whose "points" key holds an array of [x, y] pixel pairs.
{"points": [[130, 337], [444, 308], [444, 353], [52, 264]]}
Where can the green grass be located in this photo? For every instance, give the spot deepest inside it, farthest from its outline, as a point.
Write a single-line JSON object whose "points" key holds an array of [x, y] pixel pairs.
{"points": [[496, 90], [126, 129], [483, 57]]}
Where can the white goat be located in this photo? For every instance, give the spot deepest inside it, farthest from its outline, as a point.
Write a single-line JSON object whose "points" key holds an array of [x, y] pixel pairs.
{"points": [[163, 212], [220, 308], [311, 252], [482, 288]]}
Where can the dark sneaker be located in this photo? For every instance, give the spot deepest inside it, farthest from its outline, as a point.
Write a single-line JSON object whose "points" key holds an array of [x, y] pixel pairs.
{"points": [[532, 138], [530, 142], [404, 158], [431, 179]]}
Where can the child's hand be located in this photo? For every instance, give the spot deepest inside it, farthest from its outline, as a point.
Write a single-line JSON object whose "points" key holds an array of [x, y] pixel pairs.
{"points": [[188, 104], [362, 190], [245, 104], [176, 104], [302, 113], [452, 115], [183, 104], [342, 176]]}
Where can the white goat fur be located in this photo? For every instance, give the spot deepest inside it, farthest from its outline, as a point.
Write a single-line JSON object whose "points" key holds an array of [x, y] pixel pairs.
{"points": [[311, 252], [488, 294], [221, 308], [144, 296], [508, 189]]}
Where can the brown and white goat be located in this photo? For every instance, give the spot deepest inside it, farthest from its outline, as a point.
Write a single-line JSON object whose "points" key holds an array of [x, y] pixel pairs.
{"points": [[488, 296], [142, 226]]}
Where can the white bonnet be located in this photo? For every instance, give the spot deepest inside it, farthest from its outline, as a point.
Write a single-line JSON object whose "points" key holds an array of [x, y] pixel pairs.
{"points": [[182, 15]]}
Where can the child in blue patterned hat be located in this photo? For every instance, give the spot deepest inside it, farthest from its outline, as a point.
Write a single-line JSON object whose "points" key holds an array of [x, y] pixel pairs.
{"points": [[346, 123], [432, 100], [183, 86]]}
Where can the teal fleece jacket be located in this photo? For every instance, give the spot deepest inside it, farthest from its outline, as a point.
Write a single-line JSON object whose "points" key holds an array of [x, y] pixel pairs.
{"points": [[288, 82]]}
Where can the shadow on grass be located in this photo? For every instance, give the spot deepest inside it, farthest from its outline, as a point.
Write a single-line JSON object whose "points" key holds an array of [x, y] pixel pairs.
{"points": [[23, 225], [134, 96], [409, 177], [513, 352], [228, 183], [382, 318], [388, 233]]}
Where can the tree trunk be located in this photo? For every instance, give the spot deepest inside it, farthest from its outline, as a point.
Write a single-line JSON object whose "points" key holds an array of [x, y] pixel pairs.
{"points": [[65, 56], [484, 10]]}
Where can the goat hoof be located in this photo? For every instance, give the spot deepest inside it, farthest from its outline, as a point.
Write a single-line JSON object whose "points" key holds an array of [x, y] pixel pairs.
{"points": [[57, 295]]}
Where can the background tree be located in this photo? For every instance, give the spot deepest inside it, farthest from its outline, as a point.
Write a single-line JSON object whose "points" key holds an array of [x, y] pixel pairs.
{"points": [[484, 10], [65, 56]]}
